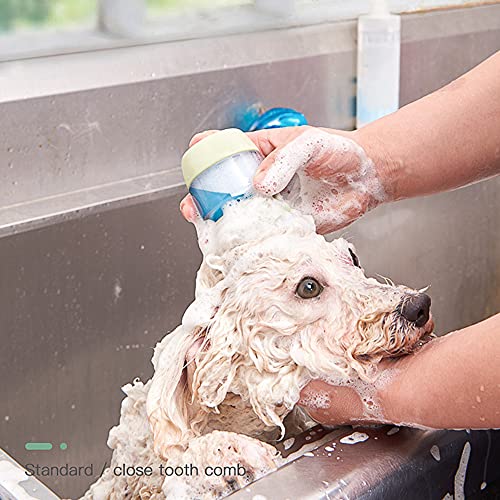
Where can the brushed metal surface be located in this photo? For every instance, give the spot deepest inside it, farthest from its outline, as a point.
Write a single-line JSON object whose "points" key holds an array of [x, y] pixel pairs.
{"points": [[130, 127], [439, 46], [388, 467], [84, 302], [30, 485], [95, 257]]}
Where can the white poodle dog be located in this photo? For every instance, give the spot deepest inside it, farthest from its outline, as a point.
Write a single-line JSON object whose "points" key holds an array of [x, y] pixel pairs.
{"points": [[276, 306]]}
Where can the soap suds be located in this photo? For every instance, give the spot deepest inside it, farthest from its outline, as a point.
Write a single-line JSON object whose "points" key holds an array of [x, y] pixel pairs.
{"points": [[316, 400], [355, 437], [436, 454], [219, 449], [326, 175], [459, 482]]}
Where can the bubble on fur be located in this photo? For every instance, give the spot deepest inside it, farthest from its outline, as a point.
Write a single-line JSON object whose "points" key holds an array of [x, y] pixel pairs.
{"points": [[132, 444], [219, 449], [354, 438], [246, 224]]}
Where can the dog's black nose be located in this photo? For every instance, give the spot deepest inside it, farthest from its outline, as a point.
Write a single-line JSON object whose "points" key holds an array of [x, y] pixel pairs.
{"points": [[415, 308]]}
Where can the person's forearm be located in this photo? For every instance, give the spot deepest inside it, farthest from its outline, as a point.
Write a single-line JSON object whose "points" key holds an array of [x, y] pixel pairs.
{"points": [[443, 141], [452, 382]]}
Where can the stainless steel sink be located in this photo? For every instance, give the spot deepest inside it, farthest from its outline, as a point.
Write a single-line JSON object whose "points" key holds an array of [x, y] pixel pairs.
{"points": [[96, 263], [407, 464], [393, 463], [15, 484]]}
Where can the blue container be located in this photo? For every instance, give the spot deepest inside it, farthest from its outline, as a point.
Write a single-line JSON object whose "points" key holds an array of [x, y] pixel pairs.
{"points": [[219, 169]]}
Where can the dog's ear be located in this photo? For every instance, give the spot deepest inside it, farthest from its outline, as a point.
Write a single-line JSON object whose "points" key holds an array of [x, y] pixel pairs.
{"points": [[171, 411], [238, 359]]}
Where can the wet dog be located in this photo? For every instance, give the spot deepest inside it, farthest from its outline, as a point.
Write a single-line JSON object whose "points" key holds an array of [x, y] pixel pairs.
{"points": [[276, 306]]}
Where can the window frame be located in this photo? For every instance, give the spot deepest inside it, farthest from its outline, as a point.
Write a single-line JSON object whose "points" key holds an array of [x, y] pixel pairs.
{"points": [[262, 14]]}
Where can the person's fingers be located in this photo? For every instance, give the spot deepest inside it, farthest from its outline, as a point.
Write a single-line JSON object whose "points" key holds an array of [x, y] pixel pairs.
{"points": [[201, 135], [188, 209], [331, 404], [271, 178], [326, 227], [339, 210], [304, 148], [287, 157], [268, 140]]}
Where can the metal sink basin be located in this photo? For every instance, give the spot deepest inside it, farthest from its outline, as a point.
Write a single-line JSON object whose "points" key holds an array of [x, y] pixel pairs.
{"points": [[393, 463]]}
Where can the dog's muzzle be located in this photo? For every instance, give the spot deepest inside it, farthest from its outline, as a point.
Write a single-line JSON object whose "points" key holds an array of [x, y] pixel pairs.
{"points": [[415, 308]]}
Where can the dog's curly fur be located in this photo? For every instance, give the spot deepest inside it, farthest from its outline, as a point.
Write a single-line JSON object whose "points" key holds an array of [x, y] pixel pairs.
{"points": [[253, 343]]}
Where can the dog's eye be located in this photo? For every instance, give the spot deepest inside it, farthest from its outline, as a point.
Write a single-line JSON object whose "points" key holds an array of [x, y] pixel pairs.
{"points": [[308, 288], [354, 258]]}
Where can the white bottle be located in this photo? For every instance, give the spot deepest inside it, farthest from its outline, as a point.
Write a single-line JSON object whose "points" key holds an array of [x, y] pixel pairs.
{"points": [[122, 17], [379, 41]]}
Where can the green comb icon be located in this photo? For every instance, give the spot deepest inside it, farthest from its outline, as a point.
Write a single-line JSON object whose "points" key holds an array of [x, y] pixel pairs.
{"points": [[38, 446], [31, 446]]}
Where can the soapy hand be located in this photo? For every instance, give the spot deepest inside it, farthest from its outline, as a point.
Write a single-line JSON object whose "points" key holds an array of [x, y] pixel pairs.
{"points": [[452, 382], [321, 172], [340, 405], [352, 401]]}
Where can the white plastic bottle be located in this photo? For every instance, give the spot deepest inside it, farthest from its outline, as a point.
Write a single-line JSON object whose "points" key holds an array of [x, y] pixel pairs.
{"points": [[379, 41], [122, 17]]}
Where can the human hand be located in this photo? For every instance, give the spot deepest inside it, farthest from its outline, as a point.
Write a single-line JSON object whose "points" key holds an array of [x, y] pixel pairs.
{"points": [[355, 401], [322, 172], [341, 405]]}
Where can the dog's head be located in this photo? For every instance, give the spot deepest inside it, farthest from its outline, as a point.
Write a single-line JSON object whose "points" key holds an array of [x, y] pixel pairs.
{"points": [[276, 306]]}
